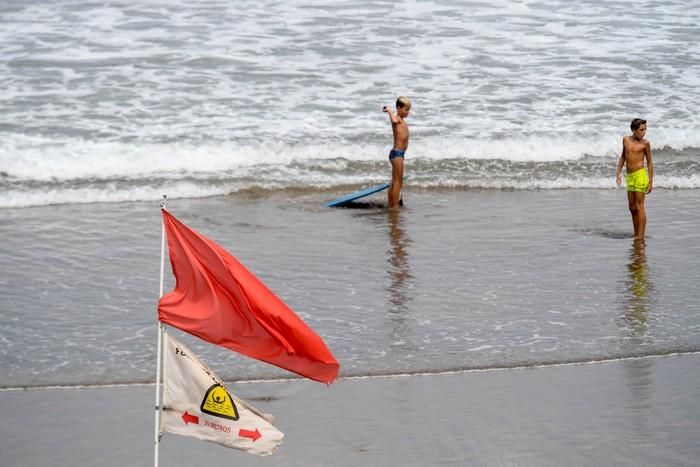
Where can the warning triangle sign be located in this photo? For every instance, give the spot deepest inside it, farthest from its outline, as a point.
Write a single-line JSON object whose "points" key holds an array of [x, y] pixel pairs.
{"points": [[196, 403], [218, 402]]}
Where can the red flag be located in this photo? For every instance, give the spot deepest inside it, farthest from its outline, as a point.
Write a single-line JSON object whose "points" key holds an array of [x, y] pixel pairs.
{"points": [[217, 299]]}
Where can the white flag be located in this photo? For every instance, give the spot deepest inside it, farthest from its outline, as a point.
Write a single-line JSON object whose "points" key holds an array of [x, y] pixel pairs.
{"points": [[196, 403]]}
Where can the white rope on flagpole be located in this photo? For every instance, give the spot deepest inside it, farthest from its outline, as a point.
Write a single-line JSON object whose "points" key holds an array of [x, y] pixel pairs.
{"points": [[159, 351]]}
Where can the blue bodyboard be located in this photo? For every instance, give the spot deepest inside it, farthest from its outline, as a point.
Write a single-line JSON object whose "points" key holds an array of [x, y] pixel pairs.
{"points": [[359, 194]]}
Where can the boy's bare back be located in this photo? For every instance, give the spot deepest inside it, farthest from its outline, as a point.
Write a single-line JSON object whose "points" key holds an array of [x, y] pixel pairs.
{"points": [[400, 129], [399, 126]]}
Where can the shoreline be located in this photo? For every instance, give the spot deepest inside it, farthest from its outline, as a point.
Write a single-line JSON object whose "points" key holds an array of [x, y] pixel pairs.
{"points": [[397, 375], [321, 195]]}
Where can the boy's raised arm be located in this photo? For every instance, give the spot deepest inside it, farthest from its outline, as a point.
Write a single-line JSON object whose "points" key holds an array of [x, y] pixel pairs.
{"points": [[394, 119]]}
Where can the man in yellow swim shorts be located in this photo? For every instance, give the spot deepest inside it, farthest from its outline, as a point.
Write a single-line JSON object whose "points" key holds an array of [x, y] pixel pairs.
{"points": [[638, 181], [635, 150]]}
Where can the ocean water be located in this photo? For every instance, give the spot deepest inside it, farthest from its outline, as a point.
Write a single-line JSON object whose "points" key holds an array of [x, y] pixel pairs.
{"points": [[123, 101], [514, 248]]}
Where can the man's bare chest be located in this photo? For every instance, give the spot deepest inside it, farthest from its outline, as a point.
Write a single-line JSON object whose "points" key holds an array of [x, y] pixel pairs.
{"points": [[635, 148]]}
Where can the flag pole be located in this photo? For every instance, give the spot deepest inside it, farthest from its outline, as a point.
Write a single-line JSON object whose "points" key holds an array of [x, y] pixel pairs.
{"points": [[159, 351]]}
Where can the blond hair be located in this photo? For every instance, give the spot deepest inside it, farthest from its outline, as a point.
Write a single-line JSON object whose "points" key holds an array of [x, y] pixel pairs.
{"points": [[403, 101]]}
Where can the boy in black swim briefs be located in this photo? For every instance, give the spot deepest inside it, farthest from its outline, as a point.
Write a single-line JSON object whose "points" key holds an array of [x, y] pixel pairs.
{"points": [[396, 156]]}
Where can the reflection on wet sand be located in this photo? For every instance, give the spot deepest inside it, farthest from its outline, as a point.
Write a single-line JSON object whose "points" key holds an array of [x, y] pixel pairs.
{"points": [[637, 294], [399, 268]]}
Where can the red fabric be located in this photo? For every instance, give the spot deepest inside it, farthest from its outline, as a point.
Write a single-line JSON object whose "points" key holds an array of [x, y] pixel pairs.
{"points": [[217, 299]]}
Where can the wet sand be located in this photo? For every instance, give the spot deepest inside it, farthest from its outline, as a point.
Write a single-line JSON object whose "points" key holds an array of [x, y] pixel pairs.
{"points": [[635, 412], [456, 280]]}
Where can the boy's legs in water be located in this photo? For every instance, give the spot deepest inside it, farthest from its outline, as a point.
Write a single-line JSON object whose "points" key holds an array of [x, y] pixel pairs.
{"points": [[396, 182], [639, 215]]}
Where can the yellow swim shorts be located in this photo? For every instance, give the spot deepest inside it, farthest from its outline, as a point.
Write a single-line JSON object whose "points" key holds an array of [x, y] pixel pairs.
{"points": [[638, 181]]}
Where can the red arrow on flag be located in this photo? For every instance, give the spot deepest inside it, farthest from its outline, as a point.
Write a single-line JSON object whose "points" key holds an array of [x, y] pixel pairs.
{"points": [[189, 418], [254, 435]]}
